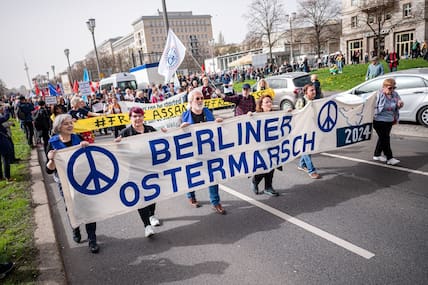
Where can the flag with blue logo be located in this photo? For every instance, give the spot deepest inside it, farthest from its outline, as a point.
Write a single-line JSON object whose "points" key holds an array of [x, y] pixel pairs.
{"points": [[172, 56], [52, 89]]}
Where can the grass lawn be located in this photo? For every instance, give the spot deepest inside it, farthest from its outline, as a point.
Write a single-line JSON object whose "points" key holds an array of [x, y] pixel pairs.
{"points": [[355, 74], [16, 217], [352, 75]]}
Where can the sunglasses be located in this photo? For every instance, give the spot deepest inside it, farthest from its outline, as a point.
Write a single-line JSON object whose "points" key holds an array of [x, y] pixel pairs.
{"points": [[199, 98]]}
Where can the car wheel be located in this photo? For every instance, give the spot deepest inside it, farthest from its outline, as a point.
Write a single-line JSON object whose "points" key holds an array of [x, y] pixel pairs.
{"points": [[423, 116], [286, 105]]}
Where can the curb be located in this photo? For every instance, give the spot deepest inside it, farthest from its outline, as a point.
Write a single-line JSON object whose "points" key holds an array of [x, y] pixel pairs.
{"points": [[49, 261]]}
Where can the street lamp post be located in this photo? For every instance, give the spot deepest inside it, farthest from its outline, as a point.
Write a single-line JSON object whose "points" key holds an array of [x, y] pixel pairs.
{"points": [[290, 19], [53, 71], [212, 41], [67, 54], [91, 26]]}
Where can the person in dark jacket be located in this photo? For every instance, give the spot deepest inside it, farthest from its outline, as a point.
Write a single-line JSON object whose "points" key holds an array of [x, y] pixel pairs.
{"points": [[26, 108], [137, 127]]}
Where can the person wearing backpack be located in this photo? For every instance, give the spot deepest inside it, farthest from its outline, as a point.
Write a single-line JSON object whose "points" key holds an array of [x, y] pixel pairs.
{"points": [[24, 110], [42, 123]]}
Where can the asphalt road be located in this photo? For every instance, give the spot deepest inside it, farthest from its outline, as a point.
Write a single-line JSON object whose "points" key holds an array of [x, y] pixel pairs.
{"points": [[362, 223]]}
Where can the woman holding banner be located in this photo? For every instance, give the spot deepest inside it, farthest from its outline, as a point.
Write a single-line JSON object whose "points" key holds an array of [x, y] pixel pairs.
{"points": [[137, 127], [65, 137], [197, 113], [264, 104]]}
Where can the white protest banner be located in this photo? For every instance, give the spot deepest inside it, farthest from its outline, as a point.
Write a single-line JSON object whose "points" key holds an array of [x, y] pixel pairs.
{"points": [[98, 107], [85, 88], [50, 100], [104, 180], [66, 84]]}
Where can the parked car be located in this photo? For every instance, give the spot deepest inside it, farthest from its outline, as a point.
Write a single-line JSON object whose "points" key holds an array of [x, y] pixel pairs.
{"points": [[287, 87], [412, 86]]}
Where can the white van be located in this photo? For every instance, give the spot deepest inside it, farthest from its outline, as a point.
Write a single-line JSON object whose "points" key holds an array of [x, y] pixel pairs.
{"points": [[121, 80]]}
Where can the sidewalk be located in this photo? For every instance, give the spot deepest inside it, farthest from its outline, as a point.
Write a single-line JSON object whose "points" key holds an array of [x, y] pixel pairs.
{"points": [[51, 270]]}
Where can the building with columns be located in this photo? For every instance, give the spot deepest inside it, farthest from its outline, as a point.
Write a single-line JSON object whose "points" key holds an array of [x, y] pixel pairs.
{"points": [[398, 22]]}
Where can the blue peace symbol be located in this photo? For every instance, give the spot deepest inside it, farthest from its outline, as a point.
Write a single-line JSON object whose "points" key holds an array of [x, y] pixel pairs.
{"points": [[94, 175], [327, 117]]}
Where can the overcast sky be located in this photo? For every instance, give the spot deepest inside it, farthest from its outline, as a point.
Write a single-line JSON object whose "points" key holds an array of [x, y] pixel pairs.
{"points": [[39, 30]]}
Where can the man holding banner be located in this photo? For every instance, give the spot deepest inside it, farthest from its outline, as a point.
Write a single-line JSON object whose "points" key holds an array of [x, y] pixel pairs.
{"points": [[244, 102], [197, 113]]}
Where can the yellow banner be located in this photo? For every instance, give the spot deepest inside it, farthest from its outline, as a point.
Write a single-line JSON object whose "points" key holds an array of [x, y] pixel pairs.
{"points": [[258, 94], [95, 123], [168, 112]]}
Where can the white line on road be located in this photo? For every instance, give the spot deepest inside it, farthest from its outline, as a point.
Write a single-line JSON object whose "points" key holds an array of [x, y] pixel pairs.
{"points": [[376, 163], [323, 234]]}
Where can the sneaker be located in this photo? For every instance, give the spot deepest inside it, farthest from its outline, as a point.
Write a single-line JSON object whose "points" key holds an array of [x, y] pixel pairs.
{"points": [[255, 188], [194, 202], [93, 246], [314, 175], [154, 221], [380, 158], [148, 231], [76, 235], [392, 161], [302, 168], [5, 268], [270, 191], [219, 209]]}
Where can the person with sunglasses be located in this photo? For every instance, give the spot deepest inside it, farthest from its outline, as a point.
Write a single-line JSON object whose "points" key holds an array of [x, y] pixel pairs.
{"points": [[198, 113], [387, 108]]}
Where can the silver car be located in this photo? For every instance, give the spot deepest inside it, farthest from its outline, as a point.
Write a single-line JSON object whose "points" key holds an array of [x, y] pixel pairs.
{"points": [[412, 86], [287, 87]]}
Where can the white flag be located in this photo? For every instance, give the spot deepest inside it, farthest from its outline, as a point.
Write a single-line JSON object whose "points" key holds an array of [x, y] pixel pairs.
{"points": [[172, 56]]}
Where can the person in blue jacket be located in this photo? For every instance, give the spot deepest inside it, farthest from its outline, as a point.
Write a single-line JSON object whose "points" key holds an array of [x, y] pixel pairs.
{"points": [[65, 137], [198, 113]]}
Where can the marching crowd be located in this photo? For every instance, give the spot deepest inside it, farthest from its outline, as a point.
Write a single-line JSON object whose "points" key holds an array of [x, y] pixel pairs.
{"points": [[54, 126]]}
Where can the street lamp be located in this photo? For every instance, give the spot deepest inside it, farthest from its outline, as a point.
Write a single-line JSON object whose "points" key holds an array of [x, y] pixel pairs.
{"points": [[91, 26], [53, 71], [212, 42], [290, 19], [67, 54]]}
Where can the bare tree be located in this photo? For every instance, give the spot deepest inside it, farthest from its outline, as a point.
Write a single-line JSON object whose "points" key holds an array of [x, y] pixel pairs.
{"points": [[319, 14], [265, 19], [378, 16]]}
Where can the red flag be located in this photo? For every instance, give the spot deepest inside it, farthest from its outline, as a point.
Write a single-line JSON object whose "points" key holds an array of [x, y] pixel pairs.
{"points": [[203, 67], [76, 87], [36, 88]]}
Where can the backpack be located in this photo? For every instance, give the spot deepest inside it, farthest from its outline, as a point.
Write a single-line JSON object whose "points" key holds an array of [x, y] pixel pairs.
{"points": [[41, 119], [20, 114]]}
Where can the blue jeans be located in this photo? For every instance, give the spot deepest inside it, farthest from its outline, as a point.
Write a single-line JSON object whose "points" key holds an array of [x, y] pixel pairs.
{"points": [[214, 197], [306, 161]]}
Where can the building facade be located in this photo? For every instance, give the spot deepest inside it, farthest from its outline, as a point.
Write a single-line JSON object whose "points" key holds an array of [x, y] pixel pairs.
{"points": [[400, 23], [194, 31]]}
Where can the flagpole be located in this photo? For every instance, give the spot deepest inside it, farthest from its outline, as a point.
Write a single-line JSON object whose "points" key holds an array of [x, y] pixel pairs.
{"points": [[200, 67], [165, 16]]}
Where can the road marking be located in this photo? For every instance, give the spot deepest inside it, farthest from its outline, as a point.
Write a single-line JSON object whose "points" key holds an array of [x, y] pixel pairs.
{"points": [[376, 163], [323, 234]]}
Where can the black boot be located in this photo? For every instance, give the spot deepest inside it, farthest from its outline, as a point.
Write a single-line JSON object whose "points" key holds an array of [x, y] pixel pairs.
{"points": [[76, 235], [93, 246]]}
